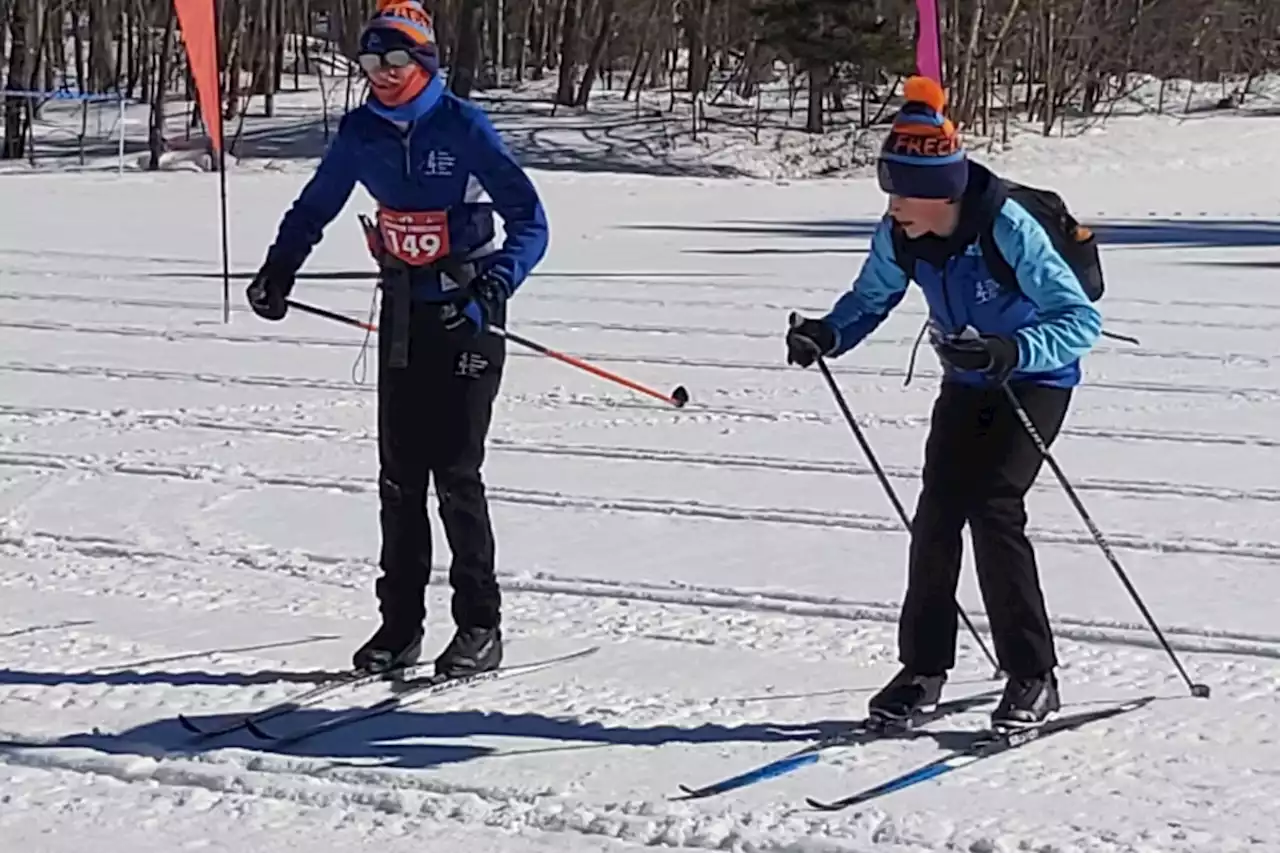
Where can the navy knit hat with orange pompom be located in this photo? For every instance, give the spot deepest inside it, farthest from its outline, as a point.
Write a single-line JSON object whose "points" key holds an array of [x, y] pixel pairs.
{"points": [[402, 25], [922, 157]]}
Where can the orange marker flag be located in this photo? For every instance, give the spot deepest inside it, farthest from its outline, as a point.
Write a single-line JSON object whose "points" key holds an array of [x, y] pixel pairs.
{"points": [[199, 32]]}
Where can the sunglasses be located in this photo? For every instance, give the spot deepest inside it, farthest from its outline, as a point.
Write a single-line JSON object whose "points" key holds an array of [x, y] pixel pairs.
{"points": [[372, 62]]}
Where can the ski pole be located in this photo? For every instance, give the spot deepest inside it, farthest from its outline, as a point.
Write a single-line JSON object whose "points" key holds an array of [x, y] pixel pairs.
{"points": [[888, 486], [893, 495], [678, 398], [1199, 690], [331, 315]]}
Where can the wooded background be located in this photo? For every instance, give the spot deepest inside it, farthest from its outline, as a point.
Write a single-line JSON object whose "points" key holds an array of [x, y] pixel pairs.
{"points": [[1045, 59]]}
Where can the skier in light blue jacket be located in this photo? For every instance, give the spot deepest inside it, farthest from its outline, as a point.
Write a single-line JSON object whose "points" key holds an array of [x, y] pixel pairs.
{"points": [[953, 229]]}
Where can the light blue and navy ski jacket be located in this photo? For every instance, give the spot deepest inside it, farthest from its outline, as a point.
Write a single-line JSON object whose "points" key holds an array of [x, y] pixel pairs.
{"points": [[437, 153], [1052, 320]]}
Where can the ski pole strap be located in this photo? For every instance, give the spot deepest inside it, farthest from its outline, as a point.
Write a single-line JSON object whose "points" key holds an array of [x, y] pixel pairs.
{"points": [[395, 283], [393, 278]]}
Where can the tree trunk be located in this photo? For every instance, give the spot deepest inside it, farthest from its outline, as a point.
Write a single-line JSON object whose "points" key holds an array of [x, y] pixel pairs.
{"points": [[21, 60], [155, 136], [498, 34], [570, 36], [526, 38], [638, 66], [608, 21], [819, 79], [696, 41], [462, 76]]}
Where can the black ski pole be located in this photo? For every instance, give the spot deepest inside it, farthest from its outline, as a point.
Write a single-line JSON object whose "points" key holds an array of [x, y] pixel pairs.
{"points": [[888, 488], [331, 315], [1200, 691]]}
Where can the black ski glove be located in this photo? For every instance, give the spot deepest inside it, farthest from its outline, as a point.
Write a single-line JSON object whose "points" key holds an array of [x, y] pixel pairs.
{"points": [[994, 355], [268, 291], [807, 340], [485, 299]]}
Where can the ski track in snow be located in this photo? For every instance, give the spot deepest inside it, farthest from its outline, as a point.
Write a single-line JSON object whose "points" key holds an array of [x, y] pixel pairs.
{"points": [[1262, 550], [177, 536]]}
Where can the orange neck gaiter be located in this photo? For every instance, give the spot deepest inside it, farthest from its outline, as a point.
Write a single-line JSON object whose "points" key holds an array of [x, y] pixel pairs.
{"points": [[411, 85]]}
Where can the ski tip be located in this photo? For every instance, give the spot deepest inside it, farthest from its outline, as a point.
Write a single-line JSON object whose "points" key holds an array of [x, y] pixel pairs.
{"points": [[821, 805], [257, 731], [686, 793], [189, 726], [680, 396]]}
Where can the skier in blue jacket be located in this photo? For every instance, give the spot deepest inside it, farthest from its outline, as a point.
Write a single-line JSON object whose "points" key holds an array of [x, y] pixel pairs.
{"points": [[427, 158], [979, 462]]}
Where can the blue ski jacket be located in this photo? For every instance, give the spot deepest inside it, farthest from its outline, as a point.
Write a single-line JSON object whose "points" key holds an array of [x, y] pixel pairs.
{"points": [[1051, 320], [446, 159]]}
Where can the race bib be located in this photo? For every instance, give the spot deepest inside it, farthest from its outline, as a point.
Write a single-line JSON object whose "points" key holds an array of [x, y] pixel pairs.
{"points": [[417, 238]]}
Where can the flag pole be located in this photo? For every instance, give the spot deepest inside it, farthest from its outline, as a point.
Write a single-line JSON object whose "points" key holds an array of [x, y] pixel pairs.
{"points": [[222, 170]]}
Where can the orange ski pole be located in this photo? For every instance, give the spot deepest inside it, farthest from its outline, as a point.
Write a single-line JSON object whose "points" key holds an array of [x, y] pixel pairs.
{"points": [[678, 398]]}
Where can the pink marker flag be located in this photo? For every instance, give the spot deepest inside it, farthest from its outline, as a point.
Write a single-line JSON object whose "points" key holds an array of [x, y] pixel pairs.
{"points": [[929, 43]]}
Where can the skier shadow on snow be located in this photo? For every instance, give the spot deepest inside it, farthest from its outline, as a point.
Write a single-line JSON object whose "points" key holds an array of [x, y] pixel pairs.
{"points": [[420, 740]]}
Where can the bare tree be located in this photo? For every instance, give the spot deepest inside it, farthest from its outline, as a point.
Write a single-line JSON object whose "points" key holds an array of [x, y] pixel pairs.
{"points": [[1042, 59]]}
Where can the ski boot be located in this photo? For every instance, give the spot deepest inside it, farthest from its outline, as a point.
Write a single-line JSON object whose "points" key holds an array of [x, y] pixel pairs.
{"points": [[906, 695], [1027, 702], [389, 651], [472, 650]]}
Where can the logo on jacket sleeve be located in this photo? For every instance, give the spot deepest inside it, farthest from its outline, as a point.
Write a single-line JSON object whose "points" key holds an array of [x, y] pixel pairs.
{"points": [[985, 290]]}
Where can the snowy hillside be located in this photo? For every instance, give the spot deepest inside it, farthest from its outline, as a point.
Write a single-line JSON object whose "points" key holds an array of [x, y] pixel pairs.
{"points": [[188, 526]]}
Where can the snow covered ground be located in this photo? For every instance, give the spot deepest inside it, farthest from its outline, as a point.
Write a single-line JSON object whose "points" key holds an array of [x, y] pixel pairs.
{"points": [[188, 523]]}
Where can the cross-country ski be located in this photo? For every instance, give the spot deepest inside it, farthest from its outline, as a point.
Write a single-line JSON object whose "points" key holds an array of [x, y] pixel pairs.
{"points": [[864, 732], [409, 691], [984, 746], [347, 681]]}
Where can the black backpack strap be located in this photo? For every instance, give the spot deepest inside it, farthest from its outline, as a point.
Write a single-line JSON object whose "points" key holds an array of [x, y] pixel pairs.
{"points": [[902, 253]]}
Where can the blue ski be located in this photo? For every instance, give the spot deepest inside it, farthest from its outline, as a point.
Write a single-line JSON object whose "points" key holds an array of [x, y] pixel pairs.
{"points": [[988, 745], [860, 733]]}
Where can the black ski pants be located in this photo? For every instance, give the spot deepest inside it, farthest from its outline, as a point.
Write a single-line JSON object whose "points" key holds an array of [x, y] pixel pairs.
{"points": [[433, 420], [979, 465]]}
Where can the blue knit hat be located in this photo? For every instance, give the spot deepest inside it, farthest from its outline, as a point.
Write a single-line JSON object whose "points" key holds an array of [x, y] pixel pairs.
{"points": [[922, 157], [402, 25]]}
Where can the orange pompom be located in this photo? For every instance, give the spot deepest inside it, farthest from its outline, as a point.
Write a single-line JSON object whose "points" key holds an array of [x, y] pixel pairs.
{"points": [[410, 10], [384, 5], [925, 90]]}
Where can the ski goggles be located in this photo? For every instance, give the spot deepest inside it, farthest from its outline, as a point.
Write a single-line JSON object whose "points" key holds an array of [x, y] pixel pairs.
{"points": [[397, 58]]}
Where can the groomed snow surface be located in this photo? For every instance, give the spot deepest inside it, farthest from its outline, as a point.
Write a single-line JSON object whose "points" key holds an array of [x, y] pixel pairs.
{"points": [[188, 524]]}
